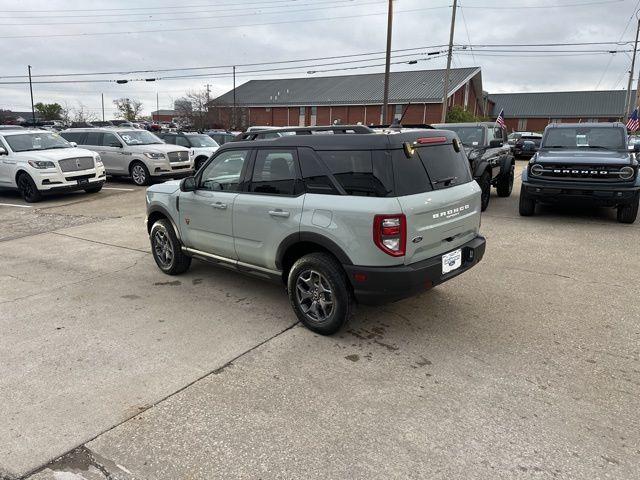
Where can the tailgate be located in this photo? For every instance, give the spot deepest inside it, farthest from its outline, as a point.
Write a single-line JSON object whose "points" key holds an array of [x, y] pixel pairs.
{"points": [[441, 220]]}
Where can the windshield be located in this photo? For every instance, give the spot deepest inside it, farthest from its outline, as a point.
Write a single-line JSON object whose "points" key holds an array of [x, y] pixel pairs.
{"points": [[585, 137], [201, 141], [36, 141], [470, 136], [139, 137]]}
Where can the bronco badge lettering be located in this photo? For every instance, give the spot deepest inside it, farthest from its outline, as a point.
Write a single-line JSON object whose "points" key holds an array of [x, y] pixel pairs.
{"points": [[454, 212]]}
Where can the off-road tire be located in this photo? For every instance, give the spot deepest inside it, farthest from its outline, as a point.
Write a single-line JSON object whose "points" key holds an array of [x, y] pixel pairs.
{"points": [[199, 162], [485, 185], [527, 205], [179, 262], [139, 173], [340, 292], [28, 188], [95, 189], [505, 182], [629, 212]]}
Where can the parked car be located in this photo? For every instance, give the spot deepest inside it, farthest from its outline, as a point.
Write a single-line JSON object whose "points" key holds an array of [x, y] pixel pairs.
{"points": [[221, 137], [585, 162], [135, 153], [11, 127], [202, 146], [513, 137], [101, 123], [36, 162], [526, 146], [350, 216], [490, 157]]}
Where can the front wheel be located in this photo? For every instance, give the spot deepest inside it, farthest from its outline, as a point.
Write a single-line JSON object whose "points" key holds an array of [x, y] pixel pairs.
{"points": [[139, 173], [28, 188], [628, 213], [166, 249], [319, 293], [527, 205], [485, 186], [199, 162], [505, 182], [95, 189]]}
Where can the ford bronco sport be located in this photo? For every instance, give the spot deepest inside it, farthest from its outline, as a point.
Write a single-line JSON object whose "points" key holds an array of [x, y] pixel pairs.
{"points": [[585, 162], [336, 216]]}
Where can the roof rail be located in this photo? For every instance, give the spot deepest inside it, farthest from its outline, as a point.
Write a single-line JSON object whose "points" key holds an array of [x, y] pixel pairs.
{"points": [[335, 129]]}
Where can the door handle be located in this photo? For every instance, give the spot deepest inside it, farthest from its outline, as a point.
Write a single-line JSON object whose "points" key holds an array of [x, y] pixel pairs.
{"points": [[279, 213], [219, 205]]}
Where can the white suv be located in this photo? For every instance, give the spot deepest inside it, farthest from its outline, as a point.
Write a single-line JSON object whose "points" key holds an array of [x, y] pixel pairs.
{"points": [[135, 153], [38, 161]]}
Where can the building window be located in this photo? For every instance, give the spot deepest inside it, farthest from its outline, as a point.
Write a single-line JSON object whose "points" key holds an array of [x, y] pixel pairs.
{"points": [[303, 116], [268, 109], [398, 112], [556, 120], [592, 120], [314, 116], [522, 124]]}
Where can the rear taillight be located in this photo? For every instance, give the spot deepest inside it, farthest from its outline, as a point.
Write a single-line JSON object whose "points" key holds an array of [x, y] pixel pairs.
{"points": [[390, 234]]}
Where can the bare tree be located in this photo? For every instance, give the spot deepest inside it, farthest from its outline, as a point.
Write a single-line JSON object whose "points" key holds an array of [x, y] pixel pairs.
{"points": [[78, 114], [192, 108], [128, 109]]}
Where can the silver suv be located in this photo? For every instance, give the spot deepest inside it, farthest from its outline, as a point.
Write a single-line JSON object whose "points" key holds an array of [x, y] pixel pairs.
{"points": [[338, 217], [132, 152]]}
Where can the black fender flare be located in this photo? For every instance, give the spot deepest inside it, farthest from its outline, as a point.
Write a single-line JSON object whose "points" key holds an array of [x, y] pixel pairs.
{"points": [[311, 237], [481, 167], [160, 209], [505, 163]]}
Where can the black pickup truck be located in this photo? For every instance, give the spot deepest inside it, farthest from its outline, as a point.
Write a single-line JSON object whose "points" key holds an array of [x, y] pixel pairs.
{"points": [[587, 162], [489, 154]]}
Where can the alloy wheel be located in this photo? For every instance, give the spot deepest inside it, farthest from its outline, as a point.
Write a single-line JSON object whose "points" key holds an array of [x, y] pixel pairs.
{"points": [[314, 295], [138, 174], [163, 248]]}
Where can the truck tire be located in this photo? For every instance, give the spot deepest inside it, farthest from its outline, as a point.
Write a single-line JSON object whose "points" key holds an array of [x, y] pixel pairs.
{"points": [[527, 206], [28, 188], [139, 173], [319, 293], [505, 182], [628, 213], [485, 185], [166, 249]]}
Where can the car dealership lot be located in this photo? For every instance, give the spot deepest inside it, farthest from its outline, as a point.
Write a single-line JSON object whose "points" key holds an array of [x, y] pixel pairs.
{"points": [[526, 366]]}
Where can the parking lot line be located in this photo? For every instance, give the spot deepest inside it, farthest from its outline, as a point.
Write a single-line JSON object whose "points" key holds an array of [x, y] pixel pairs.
{"points": [[122, 189], [14, 205]]}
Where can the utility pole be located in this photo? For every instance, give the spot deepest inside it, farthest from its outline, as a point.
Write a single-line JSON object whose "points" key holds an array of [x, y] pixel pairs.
{"points": [[208, 93], [102, 97], [387, 66], [445, 94], [627, 103], [33, 110], [157, 107], [233, 117]]}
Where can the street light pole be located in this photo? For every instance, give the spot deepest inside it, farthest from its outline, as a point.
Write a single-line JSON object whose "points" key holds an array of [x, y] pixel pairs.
{"points": [[387, 66], [33, 110], [627, 103], [233, 116], [445, 94], [102, 98]]}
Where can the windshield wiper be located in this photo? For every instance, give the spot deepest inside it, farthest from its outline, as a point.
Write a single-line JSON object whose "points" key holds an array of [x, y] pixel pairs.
{"points": [[57, 146], [601, 147], [555, 146]]}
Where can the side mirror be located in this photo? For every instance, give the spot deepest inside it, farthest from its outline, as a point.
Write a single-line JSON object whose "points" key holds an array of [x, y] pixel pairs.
{"points": [[495, 143], [188, 184], [116, 145], [3, 151], [73, 144]]}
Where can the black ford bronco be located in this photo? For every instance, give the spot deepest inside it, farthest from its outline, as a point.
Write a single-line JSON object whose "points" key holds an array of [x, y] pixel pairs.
{"points": [[587, 162], [490, 156]]}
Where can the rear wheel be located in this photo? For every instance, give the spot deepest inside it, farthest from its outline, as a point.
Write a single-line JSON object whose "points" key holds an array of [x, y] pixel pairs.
{"points": [[139, 173], [628, 213], [485, 185], [505, 182], [166, 249], [319, 293], [527, 205], [28, 188]]}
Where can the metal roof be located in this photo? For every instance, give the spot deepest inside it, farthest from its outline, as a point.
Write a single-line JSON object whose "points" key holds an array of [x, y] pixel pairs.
{"points": [[417, 86], [584, 104]]}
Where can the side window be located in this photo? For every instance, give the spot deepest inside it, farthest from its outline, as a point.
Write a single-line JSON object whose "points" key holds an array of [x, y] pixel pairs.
{"points": [[274, 172], [360, 172], [314, 174], [73, 137], [223, 173], [110, 140], [182, 141], [170, 139], [93, 138]]}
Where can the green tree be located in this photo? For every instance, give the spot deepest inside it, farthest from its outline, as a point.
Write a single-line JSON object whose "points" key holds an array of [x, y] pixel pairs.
{"points": [[49, 111], [458, 114], [128, 109]]}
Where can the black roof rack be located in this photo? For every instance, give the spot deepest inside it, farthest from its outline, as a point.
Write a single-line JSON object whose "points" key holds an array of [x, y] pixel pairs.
{"points": [[335, 129]]}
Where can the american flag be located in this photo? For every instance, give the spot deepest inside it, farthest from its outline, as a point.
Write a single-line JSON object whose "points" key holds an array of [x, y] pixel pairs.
{"points": [[633, 124], [500, 120]]}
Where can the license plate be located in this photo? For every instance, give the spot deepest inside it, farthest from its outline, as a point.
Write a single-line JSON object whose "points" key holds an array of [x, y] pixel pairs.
{"points": [[82, 181], [451, 261]]}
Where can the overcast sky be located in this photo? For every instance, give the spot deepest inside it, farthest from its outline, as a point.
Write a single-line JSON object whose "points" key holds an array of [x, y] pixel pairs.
{"points": [[210, 33]]}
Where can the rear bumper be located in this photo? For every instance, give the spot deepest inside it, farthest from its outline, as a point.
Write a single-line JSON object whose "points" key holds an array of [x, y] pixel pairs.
{"points": [[389, 284], [602, 195]]}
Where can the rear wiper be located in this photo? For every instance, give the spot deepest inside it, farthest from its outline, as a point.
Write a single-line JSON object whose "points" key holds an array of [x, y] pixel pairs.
{"points": [[446, 181]]}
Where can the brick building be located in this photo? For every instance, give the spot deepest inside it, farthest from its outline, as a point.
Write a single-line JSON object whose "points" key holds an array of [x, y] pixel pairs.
{"points": [[347, 99], [534, 111], [163, 115]]}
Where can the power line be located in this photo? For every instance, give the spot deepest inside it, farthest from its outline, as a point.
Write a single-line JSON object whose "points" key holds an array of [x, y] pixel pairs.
{"points": [[464, 21]]}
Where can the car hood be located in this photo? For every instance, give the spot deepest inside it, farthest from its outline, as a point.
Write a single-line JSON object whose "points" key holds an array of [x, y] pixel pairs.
{"points": [[583, 157], [55, 154], [169, 187], [157, 148]]}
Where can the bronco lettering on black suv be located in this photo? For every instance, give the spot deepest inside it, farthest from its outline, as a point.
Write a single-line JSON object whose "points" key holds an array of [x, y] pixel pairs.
{"points": [[337, 217]]}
